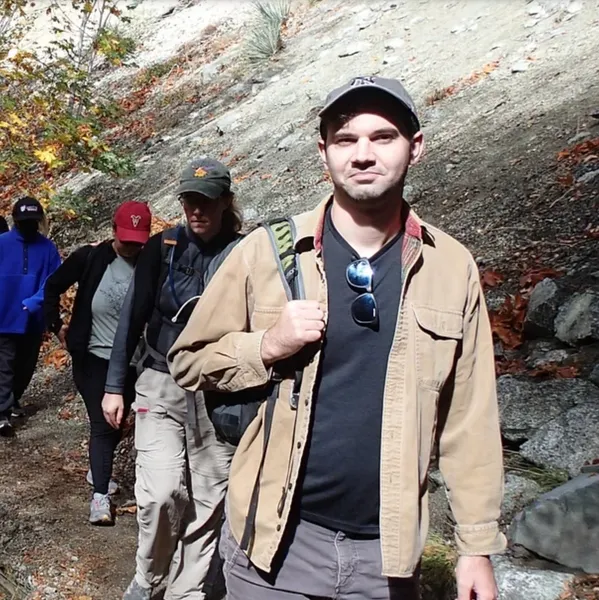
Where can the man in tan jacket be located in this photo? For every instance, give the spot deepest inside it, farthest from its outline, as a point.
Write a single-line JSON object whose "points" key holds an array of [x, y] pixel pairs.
{"points": [[397, 357]]}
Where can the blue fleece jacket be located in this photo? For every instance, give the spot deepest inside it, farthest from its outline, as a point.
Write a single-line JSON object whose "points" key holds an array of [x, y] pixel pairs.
{"points": [[24, 268]]}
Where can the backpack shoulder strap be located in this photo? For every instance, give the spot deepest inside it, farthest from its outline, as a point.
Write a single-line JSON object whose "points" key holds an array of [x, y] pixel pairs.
{"points": [[170, 239], [282, 234]]}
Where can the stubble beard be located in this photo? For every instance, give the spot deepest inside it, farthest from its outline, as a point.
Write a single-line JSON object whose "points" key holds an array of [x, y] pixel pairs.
{"points": [[372, 198]]}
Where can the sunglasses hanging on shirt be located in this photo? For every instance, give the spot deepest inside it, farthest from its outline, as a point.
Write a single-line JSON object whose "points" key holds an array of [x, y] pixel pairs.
{"points": [[359, 275]]}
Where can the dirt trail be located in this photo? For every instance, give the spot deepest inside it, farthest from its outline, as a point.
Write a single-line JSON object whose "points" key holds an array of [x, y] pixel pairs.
{"points": [[490, 179], [44, 502]]}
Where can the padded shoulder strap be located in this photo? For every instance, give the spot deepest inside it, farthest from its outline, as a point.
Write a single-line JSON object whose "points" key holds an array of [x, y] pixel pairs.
{"points": [[281, 233]]}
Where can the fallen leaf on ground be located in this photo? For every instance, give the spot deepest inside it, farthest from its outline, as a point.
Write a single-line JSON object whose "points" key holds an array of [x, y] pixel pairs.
{"points": [[126, 510], [65, 414], [490, 278], [534, 276], [555, 370]]}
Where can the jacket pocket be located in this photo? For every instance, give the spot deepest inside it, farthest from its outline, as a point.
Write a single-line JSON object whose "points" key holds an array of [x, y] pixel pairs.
{"points": [[438, 333]]}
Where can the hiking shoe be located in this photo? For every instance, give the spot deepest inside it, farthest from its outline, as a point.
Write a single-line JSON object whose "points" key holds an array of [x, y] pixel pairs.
{"points": [[100, 510], [6, 429], [113, 486], [17, 412], [136, 592]]}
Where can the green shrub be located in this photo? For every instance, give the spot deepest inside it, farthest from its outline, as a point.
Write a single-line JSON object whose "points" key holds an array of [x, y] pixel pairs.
{"points": [[264, 39]]}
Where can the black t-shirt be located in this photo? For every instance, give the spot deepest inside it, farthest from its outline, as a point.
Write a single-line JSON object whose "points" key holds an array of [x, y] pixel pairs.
{"points": [[341, 481]]}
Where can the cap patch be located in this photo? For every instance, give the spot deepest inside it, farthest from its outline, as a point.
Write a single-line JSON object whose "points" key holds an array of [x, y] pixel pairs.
{"points": [[135, 219], [357, 81], [200, 172]]}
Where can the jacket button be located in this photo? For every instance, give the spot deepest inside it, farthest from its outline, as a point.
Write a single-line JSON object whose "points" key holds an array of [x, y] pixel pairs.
{"points": [[299, 445], [278, 528]]}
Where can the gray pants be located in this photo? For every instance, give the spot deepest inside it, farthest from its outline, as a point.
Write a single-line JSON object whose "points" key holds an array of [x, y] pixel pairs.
{"points": [[181, 481], [318, 564]]}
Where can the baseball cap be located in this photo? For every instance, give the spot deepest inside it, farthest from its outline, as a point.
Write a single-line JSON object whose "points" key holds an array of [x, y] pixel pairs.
{"points": [[133, 221], [205, 176], [26, 209], [363, 84]]}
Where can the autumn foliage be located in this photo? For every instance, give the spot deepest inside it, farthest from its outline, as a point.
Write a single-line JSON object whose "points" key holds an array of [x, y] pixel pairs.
{"points": [[51, 119]]}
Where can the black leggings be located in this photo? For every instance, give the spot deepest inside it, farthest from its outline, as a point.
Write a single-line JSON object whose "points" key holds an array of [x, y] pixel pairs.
{"points": [[89, 373]]}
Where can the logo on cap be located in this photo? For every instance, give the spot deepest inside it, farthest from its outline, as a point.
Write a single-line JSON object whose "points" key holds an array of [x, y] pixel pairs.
{"points": [[200, 172], [357, 81], [28, 208], [135, 219]]}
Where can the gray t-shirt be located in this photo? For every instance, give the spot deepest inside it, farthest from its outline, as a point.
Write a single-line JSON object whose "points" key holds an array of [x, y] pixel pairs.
{"points": [[106, 306]]}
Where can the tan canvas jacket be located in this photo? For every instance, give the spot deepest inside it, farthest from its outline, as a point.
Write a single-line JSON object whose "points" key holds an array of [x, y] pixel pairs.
{"points": [[440, 384]]}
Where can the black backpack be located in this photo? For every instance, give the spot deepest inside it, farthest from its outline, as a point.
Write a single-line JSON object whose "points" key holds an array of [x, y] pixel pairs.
{"points": [[231, 414]]}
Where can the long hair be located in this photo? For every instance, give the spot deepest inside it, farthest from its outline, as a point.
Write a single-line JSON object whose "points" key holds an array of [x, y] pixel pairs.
{"points": [[232, 217], [44, 226]]}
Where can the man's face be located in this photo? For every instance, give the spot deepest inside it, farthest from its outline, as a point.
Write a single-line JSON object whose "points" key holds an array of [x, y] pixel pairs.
{"points": [[204, 215], [368, 157]]}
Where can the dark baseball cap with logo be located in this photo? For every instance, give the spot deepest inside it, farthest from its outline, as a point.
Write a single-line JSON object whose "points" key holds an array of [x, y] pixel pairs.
{"points": [[27, 209], [205, 176], [360, 86]]}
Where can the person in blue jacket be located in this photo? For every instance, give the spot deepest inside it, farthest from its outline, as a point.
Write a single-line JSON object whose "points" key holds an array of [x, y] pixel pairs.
{"points": [[27, 259]]}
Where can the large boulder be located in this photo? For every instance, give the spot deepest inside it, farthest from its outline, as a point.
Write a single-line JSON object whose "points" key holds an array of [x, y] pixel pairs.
{"points": [[517, 582], [563, 525], [569, 440], [527, 404], [518, 493], [578, 319], [542, 309]]}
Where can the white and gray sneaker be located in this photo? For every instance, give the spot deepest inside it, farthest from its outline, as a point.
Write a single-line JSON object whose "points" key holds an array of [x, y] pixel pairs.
{"points": [[136, 592], [100, 510], [17, 411], [6, 429], [113, 486]]}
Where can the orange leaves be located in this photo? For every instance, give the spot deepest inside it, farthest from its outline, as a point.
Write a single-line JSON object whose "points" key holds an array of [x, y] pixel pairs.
{"points": [[136, 99], [57, 358], [450, 90], [580, 152], [490, 279], [517, 366], [568, 159], [507, 322], [159, 224], [65, 414], [126, 510], [555, 370], [533, 276]]}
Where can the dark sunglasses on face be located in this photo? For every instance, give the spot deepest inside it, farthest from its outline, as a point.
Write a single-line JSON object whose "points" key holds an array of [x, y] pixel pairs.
{"points": [[359, 275]]}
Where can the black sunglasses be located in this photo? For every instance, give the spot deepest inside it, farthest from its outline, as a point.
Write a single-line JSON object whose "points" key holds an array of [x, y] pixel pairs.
{"points": [[359, 275]]}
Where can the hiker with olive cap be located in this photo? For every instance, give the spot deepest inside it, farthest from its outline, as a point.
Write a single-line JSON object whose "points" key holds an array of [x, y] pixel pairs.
{"points": [[181, 468], [328, 489], [27, 258]]}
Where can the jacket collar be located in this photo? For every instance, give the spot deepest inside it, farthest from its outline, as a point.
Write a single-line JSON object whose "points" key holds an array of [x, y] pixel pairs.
{"points": [[312, 225], [16, 234]]}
